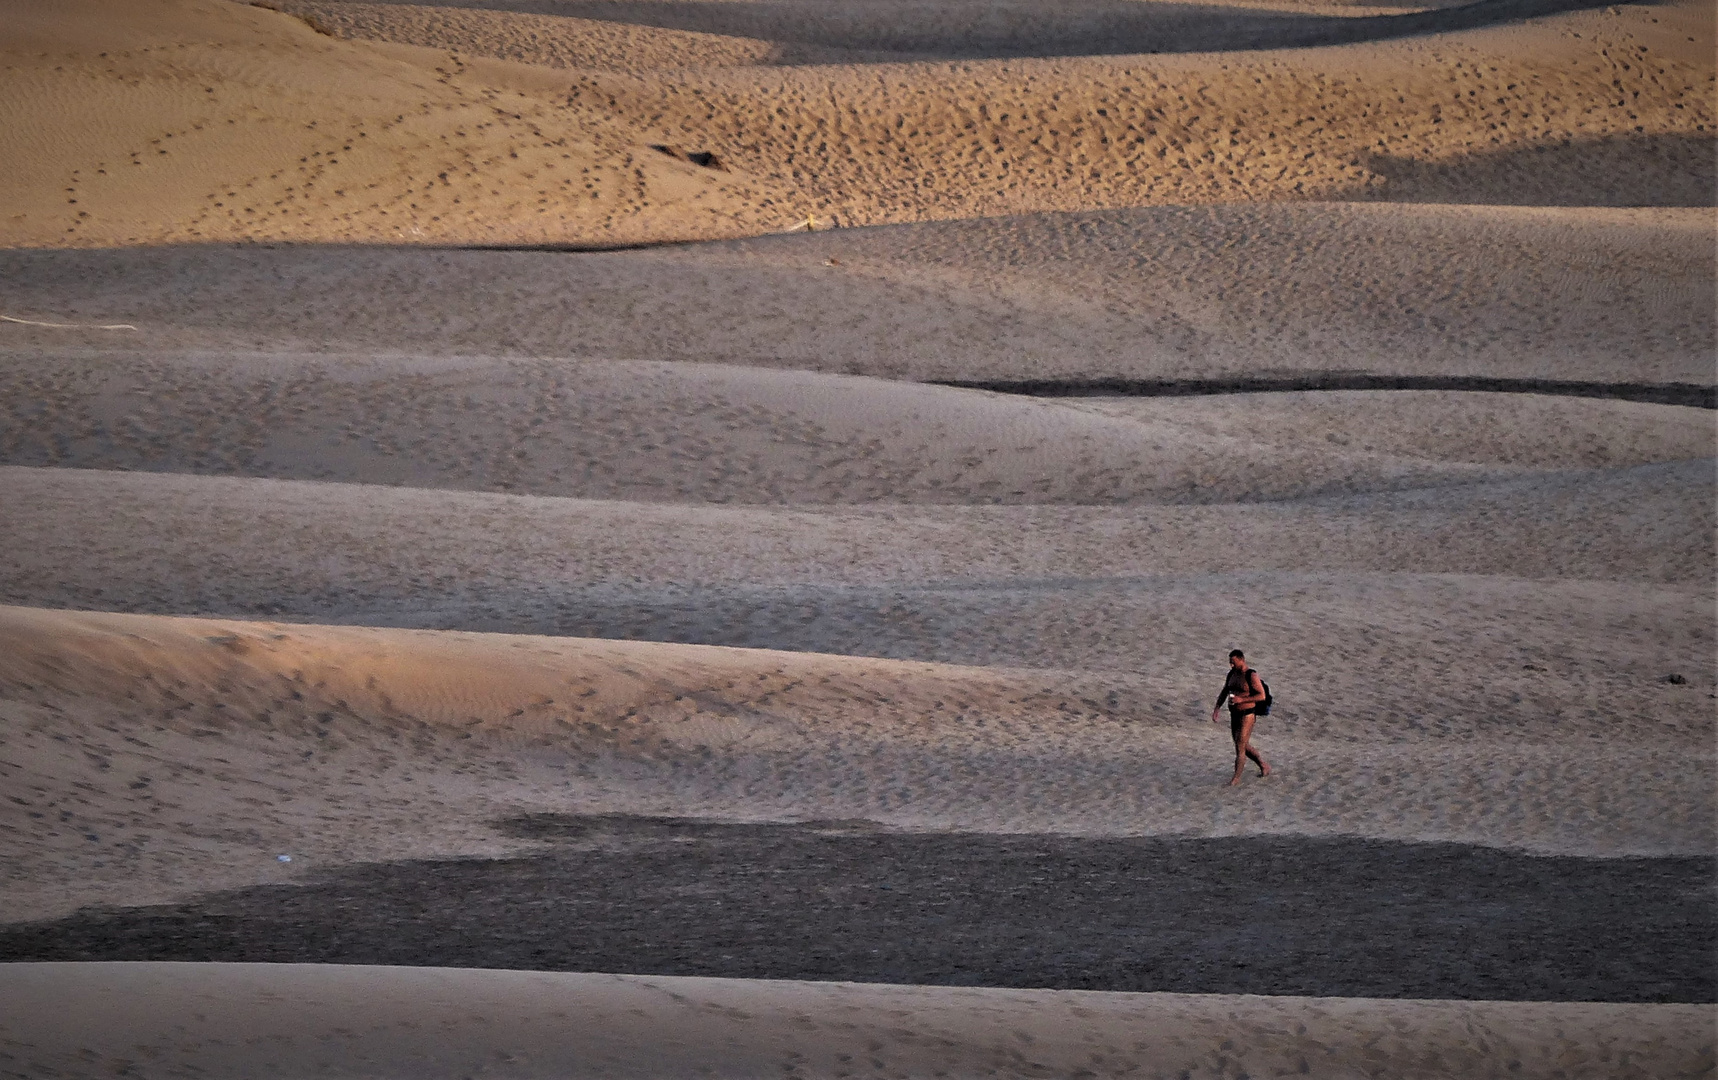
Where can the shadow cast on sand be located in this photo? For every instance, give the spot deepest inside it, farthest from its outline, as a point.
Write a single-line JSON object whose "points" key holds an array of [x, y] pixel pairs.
{"points": [[1688, 394], [849, 901], [909, 30], [1587, 172]]}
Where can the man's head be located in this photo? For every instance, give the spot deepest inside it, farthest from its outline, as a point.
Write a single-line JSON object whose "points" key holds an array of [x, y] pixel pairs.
{"points": [[1237, 660]]}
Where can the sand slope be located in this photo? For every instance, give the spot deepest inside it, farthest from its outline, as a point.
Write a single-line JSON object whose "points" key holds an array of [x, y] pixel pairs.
{"points": [[199, 120], [714, 433], [152, 752], [364, 547], [354, 1020], [195, 120], [599, 42], [1593, 295], [1544, 114]]}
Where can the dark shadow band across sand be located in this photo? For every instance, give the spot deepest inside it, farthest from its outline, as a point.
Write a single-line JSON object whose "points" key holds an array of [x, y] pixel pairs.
{"points": [[1256, 915], [919, 31], [1689, 394]]}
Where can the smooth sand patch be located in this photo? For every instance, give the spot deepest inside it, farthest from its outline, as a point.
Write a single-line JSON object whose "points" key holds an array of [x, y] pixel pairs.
{"points": [[153, 541], [353, 1021], [557, 40]]}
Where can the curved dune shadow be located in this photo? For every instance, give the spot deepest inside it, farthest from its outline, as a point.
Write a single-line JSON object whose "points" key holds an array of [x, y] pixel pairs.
{"points": [[846, 901], [1688, 394], [906, 29], [1587, 172]]}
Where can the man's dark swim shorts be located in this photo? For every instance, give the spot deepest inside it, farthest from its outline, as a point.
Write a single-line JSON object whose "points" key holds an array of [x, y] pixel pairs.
{"points": [[1236, 718]]}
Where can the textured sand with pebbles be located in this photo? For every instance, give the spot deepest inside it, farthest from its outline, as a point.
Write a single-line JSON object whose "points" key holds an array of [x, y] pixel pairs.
{"points": [[420, 419]]}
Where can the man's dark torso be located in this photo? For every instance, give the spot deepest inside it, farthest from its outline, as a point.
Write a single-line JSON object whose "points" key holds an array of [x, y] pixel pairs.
{"points": [[1239, 682]]}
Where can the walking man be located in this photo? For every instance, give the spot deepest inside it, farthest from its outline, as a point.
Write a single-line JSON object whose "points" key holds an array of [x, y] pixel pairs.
{"points": [[1245, 691]]}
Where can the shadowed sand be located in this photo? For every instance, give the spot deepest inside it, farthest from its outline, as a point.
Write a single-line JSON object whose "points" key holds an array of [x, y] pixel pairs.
{"points": [[1203, 292], [717, 434], [607, 35], [854, 901]]}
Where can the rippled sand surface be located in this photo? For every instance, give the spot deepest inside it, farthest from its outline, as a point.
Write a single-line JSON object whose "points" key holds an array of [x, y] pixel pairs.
{"points": [[561, 538]]}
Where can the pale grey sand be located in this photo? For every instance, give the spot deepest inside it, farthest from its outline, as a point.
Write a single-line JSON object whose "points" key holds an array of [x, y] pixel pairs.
{"points": [[408, 560], [359, 1021]]}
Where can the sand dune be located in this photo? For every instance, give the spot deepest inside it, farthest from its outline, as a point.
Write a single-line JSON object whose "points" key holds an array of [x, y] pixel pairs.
{"points": [[268, 130], [1011, 136], [1116, 609], [151, 753], [562, 41], [630, 602], [79, 536], [352, 1020], [1595, 295], [714, 433], [1494, 600], [200, 120]]}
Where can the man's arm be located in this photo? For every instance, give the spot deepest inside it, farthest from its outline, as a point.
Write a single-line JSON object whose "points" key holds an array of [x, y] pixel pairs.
{"points": [[1217, 708]]}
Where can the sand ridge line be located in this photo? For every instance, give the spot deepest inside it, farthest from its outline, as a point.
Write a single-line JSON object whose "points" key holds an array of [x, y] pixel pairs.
{"points": [[505, 562], [68, 326], [533, 688]]}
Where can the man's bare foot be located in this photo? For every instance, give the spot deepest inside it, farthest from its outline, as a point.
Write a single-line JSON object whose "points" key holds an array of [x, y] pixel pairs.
{"points": [[1235, 781], [1264, 770]]}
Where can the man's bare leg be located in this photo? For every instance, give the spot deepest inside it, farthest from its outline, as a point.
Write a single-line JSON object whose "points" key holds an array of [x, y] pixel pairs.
{"points": [[1244, 750]]}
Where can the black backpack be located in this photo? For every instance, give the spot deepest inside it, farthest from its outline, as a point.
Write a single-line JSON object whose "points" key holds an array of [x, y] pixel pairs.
{"points": [[1263, 708]]}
